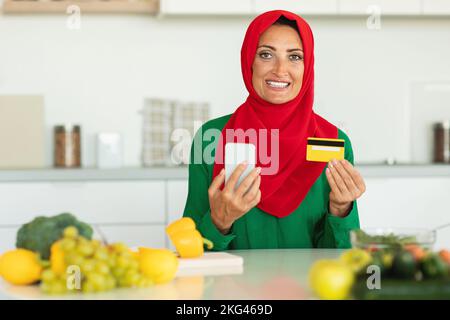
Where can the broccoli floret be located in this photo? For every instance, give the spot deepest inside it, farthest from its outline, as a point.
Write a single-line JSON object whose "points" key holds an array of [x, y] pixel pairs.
{"points": [[39, 234]]}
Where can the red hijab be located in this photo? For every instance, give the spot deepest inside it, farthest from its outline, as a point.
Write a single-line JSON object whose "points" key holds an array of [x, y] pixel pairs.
{"points": [[284, 191]]}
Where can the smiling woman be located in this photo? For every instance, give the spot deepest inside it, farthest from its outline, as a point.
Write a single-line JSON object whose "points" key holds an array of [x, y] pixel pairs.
{"points": [[301, 204], [278, 66]]}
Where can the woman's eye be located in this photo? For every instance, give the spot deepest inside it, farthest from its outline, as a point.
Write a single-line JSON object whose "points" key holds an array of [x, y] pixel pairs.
{"points": [[265, 55], [296, 57]]}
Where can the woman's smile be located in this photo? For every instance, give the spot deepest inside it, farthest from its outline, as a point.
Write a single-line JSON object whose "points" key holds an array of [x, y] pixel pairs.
{"points": [[277, 85]]}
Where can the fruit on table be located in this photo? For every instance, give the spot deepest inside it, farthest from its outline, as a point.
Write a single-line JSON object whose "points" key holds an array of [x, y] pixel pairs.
{"points": [[186, 239], [20, 267], [331, 279], [101, 267], [160, 265], [356, 259], [39, 234]]}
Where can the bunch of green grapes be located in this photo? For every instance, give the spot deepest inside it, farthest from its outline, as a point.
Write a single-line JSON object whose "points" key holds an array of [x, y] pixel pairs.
{"points": [[52, 283], [101, 268], [125, 267]]}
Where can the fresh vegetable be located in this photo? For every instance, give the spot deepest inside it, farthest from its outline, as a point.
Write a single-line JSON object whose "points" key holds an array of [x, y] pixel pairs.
{"points": [[417, 251], [160, 265], [388, 258], [186, 239], [39, 234], [379, 260], [20, 267], [445, 255], [392, 289], [434, 267], [331, 279], [407, 271], [404, 265], [57, 262], [389, 240]]}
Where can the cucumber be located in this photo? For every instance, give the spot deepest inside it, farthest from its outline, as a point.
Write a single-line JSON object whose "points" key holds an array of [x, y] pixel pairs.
{"points": [[404, 290]]}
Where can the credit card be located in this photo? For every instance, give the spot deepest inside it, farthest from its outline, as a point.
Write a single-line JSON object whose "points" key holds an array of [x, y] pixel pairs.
{"points": [[324, 150]]}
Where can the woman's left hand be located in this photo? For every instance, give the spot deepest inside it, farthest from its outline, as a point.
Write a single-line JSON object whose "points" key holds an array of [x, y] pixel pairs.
{"points": [[346, 184]]}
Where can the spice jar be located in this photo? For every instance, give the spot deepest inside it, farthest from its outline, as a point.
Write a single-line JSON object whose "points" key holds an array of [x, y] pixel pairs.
{"points": [[67, 146], [442, 142]]}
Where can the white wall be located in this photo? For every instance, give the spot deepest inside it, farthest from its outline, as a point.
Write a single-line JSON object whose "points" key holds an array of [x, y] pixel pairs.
{"points": [[99, 75]]}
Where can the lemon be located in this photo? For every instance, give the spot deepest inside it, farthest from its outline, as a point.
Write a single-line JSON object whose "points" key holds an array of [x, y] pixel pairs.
{"points": [[331, 279], [20, 267], [160, 265], [356, 259]]}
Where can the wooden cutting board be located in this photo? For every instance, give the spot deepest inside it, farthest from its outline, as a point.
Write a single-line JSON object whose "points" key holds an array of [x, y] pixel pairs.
{"points": [[211, 263]]}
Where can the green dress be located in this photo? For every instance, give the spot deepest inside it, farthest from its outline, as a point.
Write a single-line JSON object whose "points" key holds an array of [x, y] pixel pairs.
{"points": [[309, 226]]}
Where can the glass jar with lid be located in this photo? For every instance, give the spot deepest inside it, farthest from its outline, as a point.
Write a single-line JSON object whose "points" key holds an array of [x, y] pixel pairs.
{"points": [[442, 142], [67, 143]]}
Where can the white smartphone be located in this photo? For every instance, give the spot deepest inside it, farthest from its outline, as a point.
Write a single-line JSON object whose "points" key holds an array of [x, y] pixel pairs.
{"points": [[235, 154]]}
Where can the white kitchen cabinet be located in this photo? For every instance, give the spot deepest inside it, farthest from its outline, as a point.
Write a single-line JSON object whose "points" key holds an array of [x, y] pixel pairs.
{"points": [[205, 7], [436, 7], [387, 7], [407, 203], [308, 7], [94, 202], [177, 191]]}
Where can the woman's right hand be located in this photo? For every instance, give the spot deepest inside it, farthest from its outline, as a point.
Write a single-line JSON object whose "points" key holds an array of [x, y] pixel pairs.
{"points": [[228, 205]]}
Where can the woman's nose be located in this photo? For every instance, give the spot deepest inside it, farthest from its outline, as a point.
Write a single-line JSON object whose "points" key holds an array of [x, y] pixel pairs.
{"points": [[280, 68]]}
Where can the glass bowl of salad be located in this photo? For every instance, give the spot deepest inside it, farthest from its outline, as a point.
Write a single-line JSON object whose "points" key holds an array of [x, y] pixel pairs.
{"points": [[384, 238]]}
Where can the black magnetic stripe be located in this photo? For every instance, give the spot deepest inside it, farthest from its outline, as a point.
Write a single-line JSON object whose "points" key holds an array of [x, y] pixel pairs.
{"points": [[326, 143]]}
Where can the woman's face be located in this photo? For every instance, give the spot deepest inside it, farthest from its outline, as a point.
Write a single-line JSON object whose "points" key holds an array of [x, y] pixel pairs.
{"points": [[278, 66]]}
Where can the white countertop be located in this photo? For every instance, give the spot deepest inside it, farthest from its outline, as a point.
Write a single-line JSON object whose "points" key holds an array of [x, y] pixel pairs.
{"points": [[266, 274]]}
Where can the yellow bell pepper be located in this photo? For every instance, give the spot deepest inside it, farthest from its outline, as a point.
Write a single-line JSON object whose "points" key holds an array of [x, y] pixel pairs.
{"points": [[57, 262], [186, 238]]}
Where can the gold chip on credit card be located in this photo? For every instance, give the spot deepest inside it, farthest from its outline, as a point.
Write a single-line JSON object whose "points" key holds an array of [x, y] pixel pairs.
{"points": [[325, 150]]}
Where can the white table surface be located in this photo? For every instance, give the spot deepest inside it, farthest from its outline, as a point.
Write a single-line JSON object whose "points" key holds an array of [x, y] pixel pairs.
{"points": [[266, 274]]}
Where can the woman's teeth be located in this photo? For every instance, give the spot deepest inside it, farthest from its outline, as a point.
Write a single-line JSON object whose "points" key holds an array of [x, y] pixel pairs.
{"points": [[276, 84]]}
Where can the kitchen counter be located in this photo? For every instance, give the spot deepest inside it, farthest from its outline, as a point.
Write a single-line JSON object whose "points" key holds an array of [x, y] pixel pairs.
{"points": [[266, 274], [181, 173]]}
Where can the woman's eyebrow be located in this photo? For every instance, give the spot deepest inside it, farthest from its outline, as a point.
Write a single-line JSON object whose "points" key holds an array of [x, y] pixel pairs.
{"points": [[273, 48]]}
